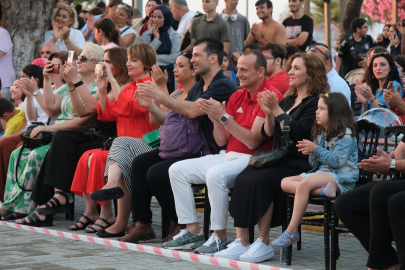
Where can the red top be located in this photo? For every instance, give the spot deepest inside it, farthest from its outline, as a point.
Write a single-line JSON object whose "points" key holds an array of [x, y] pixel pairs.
{"points": [[280, 82], [245, 110], [132, 119]]}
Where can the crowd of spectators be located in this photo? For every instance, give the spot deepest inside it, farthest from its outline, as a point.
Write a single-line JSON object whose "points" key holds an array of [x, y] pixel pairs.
{"points": [[248, 88]]}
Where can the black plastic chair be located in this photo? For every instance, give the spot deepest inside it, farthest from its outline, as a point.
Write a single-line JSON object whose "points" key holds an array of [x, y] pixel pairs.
{"points": [[330, 221]]}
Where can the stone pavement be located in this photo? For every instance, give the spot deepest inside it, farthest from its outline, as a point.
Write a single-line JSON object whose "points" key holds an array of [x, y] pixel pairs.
{"points": [[29, 250]]}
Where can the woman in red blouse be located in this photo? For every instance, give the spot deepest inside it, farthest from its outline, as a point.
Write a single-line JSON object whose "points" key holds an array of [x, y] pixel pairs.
{"points": [[132, 122]]}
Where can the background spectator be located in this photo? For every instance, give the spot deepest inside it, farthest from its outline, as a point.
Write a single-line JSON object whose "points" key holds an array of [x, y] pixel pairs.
{"points": [[299, 26], [95, 14], [224, 66], [182, 14], [268, 31], [123, 19], [146, 24], [395, 41], [84, 14], [106, 34], [7, 73], [400, 62], [210, 25]]}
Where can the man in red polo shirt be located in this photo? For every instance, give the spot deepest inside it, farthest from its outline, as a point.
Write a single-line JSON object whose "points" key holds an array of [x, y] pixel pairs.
{"points": [[274, 55], [237, 124]]}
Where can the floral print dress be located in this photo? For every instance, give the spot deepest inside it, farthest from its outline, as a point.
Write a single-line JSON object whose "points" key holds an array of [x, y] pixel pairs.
{"points": [[16, 199]]}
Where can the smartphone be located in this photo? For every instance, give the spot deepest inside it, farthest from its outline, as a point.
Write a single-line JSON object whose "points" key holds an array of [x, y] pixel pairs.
{"points": [[100, 70], [55, 69], [70, 57], [403, 22]]}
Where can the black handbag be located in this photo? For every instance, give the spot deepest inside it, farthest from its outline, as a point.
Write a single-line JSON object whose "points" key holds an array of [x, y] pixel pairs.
{"points": [[42, 138], [263, 159], [108, 143]]}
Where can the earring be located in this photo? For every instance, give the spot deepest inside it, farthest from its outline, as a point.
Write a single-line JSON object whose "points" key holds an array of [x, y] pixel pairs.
{"points": [[145, 69]]}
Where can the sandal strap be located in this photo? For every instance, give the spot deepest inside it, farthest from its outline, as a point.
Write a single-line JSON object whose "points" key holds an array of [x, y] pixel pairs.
{"points": [[33, 218], [105, 221], [51, 203], [87, 218], [98, 225], [64, 194]]}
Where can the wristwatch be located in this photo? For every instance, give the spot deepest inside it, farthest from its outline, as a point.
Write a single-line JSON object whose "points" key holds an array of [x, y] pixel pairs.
{"points": [[224, 118], [35, 93], [392, 168], [75, 86]]}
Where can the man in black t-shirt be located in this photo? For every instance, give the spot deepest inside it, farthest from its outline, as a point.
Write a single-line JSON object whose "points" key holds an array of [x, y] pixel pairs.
{"points": [[299, 26], [150, 173], [353, 50]]}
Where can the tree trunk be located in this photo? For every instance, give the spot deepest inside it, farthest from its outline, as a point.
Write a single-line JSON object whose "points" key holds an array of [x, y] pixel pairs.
{"points": [[27, 21], [352, 12]]}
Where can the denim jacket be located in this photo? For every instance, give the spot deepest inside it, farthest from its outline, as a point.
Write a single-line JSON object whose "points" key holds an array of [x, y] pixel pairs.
{"points": [[341, 158]]}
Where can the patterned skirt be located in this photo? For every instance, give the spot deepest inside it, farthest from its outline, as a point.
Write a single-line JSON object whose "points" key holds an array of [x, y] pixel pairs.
{"points": [[15, 199], [123, 151]]}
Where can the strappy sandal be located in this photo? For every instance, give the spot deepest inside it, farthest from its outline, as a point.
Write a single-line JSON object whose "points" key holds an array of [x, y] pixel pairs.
{"points": [[11, 216], [84, 225], [93, 230], [53, 206], [35, 221], [286, 239]]}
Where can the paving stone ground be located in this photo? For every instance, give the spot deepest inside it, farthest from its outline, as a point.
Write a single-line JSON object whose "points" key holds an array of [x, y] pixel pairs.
{"points": [[29, 250]]}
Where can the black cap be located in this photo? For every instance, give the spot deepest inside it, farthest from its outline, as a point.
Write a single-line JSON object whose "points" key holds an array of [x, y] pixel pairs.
{"points": [[101, 4]]}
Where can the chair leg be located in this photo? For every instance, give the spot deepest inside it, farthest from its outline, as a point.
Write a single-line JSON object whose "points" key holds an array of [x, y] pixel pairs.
{"points": [[71, 214], [299, 242], [251, 234], [290, 203], [207, 215], [165, 224], [115, 207], [326, 232], [334, 237]]}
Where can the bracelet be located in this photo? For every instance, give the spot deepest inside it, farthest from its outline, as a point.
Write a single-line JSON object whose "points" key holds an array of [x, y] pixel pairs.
{"points": [[372, 100], [71, 90]]}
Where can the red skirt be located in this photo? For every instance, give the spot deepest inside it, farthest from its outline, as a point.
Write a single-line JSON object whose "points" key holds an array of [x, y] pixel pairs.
{"points": [[86, 179]]}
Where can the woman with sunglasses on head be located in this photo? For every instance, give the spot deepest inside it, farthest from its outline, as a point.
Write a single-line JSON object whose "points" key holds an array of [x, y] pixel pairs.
{"points": [[124, 149], [73, 134], [380, 72], [122, 20], [64, 20], [164, 40], [106, 34]]}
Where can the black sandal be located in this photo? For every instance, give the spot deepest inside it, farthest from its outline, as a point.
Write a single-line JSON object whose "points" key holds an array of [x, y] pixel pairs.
{"points": [[53, 206], [35, 221], [93, 230], [107, 194], [84, 225], [9, 216]]}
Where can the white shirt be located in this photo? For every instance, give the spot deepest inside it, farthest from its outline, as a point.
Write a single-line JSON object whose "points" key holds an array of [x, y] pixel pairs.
{"points": [[337, 84], [130, 30], [109, 46], [7, 73], [75, 36], [185, 22]]}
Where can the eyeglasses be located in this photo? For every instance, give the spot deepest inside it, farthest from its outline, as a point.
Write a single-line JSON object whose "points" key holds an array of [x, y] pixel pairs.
{"points": [[84, 59], [314, 49], [186, 53]]}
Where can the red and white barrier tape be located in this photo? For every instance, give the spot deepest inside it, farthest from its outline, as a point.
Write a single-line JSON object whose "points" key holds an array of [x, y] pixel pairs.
{"points": [[147, 249]]}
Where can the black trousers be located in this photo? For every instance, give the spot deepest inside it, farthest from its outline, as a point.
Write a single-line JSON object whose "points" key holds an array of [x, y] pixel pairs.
{"points": [[365, 211], [60, 163], [150, 177], [396, 213]]}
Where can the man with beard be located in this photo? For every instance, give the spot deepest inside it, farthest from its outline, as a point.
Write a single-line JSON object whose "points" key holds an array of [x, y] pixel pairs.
{"points": [[150, 173], [268, 31], [299, 26]]}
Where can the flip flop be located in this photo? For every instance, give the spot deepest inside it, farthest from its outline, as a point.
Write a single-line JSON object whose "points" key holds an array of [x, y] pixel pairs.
{"points": [[84, 225], [93, 230]]}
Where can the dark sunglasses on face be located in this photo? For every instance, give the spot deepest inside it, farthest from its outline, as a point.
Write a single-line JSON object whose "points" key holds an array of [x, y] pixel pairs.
{"points": [[314, 49], [84, 59]]}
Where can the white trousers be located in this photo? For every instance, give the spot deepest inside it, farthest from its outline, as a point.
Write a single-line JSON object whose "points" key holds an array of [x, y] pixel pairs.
{"points": [[218, 172]]}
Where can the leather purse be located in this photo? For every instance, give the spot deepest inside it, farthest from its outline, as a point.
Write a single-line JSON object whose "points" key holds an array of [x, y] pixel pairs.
{"points": [[263, 159], [152, 138], [42, 138]]}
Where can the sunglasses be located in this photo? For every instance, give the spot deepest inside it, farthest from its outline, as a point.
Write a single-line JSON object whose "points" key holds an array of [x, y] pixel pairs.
{"points": [[84, 59], [314, 49], [186, 53]]}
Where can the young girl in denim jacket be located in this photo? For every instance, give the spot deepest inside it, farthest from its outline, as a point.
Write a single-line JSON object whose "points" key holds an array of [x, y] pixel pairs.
{"points": [[333, 157]]}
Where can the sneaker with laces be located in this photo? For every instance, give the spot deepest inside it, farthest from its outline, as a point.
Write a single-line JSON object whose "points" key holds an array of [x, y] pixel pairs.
{"points": [[233, 250], [258, 252], [185, 240], [214, 244]]}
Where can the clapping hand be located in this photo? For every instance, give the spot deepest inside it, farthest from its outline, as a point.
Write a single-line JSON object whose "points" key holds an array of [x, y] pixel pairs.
{"points": [[306, 147], [65, 31], [28, 86], [144, 102], [268, 101], [214, 109], [392, 96], [159, 77], [148, 89], [378, 164]]}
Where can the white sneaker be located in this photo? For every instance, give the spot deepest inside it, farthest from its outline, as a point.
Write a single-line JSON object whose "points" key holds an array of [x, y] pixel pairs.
{"points": [[233, 251], [258, 252]]}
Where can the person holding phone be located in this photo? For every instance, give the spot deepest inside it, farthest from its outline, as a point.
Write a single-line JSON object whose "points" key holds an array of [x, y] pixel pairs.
{"points": [[395, 41]]}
